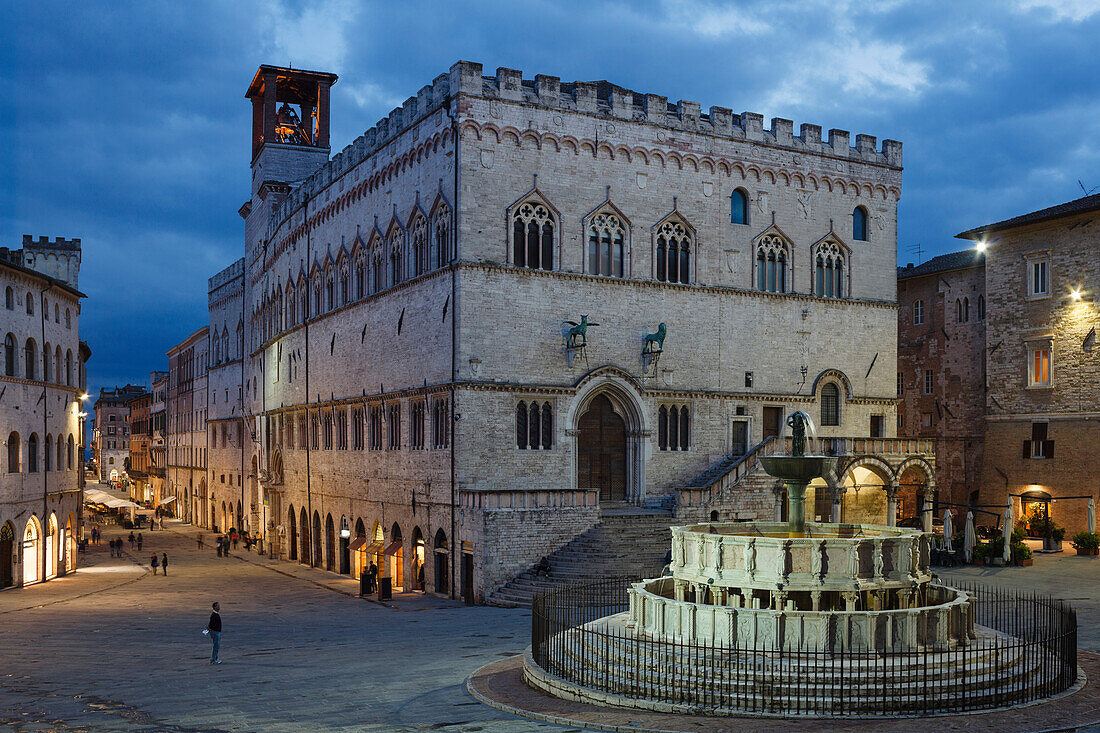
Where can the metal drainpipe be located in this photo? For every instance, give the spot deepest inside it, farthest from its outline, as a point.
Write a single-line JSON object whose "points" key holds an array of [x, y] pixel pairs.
{"points": [[456, 546], [309, 485], [45, 432]]}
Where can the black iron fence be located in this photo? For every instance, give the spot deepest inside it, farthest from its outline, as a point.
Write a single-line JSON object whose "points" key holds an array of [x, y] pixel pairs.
{"points": [[1026, 651]]}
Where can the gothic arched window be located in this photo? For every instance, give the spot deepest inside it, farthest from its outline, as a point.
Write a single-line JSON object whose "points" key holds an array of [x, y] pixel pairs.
{"points": [[397, 259], [533, 236], [673, 427], [534, 425], [30, 303], [9, 356], [330, 290], [830, 404], [739, 206], [772, 256], [345, 288], [419, 234], [674, 252], [9, 299], [442, 230], [606, 233], [30, 350], [13, 453], [47, 363], [829, 277], [32, 453], [291, 308], [521, 425], [859, 223], [360, 278], [981, 308]]}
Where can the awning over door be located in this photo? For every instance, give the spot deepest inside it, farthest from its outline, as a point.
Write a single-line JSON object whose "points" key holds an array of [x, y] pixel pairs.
{"points": [[393, 548], [166, 500], [357, 543]]}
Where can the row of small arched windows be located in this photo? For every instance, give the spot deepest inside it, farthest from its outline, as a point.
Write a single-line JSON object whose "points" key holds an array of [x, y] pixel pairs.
{"points": [[9, 303], [962, 309], [32, 461], [386, 262], [53, 368]]}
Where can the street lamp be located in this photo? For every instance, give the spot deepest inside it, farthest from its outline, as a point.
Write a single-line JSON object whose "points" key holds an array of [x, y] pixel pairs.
{"points": [[981, 245]]}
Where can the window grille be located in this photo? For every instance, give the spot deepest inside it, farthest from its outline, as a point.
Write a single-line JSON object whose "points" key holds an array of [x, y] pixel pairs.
{"points": [[830, 405]]}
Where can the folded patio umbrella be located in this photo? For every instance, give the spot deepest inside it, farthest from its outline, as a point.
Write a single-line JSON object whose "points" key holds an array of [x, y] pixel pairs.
{"points": [[948, 530], [969, 537]]}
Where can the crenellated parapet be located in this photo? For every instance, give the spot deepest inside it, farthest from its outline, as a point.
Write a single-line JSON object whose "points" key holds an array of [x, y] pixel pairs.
{"points": [[600, 99]]}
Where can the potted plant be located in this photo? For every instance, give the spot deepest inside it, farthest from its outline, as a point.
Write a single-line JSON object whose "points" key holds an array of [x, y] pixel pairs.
{"points": [[1021, 554], [1086, 543], [981, 553], [1053, 543]]}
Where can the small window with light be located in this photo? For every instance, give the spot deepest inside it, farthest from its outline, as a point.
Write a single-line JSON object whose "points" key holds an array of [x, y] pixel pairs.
{"points": [[1039, 366]]}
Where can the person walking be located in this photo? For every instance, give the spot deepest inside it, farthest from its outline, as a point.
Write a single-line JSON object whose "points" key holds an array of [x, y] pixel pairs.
{"points": [[140, 539], [116, 547], [372, 574], [199, 539], [164, 562], [132, 540], [218, 545], [225, 546], [214, 629], [154, 562]]}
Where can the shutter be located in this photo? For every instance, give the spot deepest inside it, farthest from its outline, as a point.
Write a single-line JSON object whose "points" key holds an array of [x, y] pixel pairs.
{"points": [[1048, 448], [1027, 449]]}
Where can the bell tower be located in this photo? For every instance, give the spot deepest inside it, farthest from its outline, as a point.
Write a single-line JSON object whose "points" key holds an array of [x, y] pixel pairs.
{"points": [[290, 123]]}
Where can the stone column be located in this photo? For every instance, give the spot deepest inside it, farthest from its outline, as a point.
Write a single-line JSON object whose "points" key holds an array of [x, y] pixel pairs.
{"points": [[926, 510], [892, 504], [836, 493]]}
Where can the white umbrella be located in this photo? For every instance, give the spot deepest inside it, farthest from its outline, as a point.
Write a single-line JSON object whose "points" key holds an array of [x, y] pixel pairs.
{"points": [[948, 530], [969, 539], [1091, 516], [1009, 525]]}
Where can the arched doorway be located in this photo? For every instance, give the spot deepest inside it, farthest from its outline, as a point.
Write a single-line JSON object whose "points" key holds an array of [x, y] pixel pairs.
{"points": [[303, 533], [602, 450], [52, 547], [441, 562], [330, 544], [418, 559], [345, 543], [7, 550], [32, 535], [866, 498], [292, 523], [377, 544], [358, 550], [316, 559], [396, 556]]}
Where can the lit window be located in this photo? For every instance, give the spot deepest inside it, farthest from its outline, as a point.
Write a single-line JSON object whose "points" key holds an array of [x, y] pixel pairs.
{"points": [[1039, 367]]}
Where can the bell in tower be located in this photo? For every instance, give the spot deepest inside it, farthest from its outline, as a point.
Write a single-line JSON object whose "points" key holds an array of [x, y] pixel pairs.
{"points": [[290, 107]]}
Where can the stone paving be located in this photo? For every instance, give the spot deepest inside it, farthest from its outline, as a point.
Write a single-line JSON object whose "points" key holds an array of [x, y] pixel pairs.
{"points": [[114, 648]]}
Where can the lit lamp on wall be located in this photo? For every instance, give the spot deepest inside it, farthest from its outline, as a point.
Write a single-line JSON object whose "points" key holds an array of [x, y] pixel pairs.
{"points": [[345, 530], [981, 245]]}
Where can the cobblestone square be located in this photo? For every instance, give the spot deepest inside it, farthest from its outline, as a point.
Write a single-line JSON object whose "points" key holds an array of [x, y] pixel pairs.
{"points": [[115, 648]]}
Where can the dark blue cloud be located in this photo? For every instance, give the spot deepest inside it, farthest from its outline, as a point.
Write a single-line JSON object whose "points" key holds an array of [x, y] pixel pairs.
{"points": [[125, 124]]}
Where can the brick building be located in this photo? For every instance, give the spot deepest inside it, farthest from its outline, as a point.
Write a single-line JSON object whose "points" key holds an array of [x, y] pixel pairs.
{"points": [[185, 437], [42, 382], [1042, 286], [941, 369], [111, 431]]}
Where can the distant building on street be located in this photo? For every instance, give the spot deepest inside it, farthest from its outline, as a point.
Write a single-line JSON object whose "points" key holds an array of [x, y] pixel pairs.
{"points": [[226, 423], [186, 488], [111, 432], [141, 435], [41, 407], [158, 445], [941, 368], [1042, 420]]}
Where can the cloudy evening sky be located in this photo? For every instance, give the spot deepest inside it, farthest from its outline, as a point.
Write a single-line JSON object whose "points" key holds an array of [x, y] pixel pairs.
{"points": [[125, 123]]}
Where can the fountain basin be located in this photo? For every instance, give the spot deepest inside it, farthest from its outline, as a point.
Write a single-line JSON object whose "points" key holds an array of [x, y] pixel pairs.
{"points": [[801, 469]]}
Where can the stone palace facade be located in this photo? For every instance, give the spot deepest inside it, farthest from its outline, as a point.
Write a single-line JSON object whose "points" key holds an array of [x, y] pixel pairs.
{"points": [[513, 302]]}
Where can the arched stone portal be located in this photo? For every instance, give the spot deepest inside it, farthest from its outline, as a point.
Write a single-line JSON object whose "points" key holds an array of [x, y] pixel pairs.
{"points": [[609, 439]]}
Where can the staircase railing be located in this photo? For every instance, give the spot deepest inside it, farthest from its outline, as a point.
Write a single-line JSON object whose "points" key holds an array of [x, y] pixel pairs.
{"points": [[702, 495]]}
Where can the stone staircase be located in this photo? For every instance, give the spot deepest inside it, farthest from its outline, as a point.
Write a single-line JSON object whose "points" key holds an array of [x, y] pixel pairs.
{"points": [[628, 541]]}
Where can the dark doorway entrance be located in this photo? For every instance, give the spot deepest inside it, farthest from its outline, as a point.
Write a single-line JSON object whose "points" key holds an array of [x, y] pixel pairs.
{"points": [[7, 542], [601, 459], [468, 578], [773, 418]]}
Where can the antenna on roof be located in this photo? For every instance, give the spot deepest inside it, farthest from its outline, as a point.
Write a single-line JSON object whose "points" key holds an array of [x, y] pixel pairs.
{"points": [[1087, 191], [919, 252]]}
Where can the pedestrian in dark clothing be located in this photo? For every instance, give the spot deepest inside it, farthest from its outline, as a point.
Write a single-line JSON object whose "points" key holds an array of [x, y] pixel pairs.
{"points": [[139, 541], [132, 540], [200, 540], [154, 562], [164, 562], [112, 543], [214, 628], [372, 575], [219, 546], [225, 547]]}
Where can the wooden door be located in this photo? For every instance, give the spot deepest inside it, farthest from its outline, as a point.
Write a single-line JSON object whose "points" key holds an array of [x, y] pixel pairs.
{"points": [[601, 455], [773, 418], [6, 576]]}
